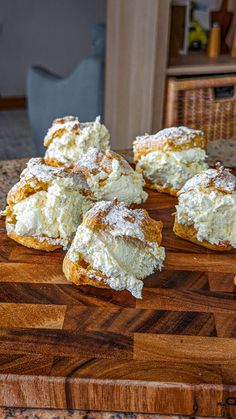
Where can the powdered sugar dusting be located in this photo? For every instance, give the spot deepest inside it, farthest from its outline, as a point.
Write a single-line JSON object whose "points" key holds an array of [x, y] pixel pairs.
{"points": [[110, 176], [220, 179], [91, 159], [101, 241], [179, 133], [37, 170], [178, 136], [121, 219], [41, 171], [98, 160]]}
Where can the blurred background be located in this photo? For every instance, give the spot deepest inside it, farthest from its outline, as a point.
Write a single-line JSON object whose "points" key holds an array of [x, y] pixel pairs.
{"points": [[42, 46], [141, 65]]}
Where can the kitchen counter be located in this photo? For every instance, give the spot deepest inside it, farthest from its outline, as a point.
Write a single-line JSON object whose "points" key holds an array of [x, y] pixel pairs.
{"points": [[99, 352], [10, 171]]}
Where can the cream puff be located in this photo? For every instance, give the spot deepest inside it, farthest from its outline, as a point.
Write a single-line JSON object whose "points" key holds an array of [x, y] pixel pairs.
{"points": [[68, 139], [115, 247], [206, 210], [46, 206], [170, 157], [110, 176]]}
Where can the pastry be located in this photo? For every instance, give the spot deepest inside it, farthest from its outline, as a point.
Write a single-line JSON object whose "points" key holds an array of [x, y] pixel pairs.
{"points": [[68, 139], [110, 176], [115, 247], [46, 206], [170, 157], [206, 210]]}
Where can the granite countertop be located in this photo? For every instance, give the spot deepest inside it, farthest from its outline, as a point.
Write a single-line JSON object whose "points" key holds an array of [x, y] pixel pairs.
{"points": [[10, 171], [223, 151]]}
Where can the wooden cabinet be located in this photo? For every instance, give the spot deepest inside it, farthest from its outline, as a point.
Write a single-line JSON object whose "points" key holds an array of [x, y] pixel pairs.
{"points": [[136, 58], [137, 67]]}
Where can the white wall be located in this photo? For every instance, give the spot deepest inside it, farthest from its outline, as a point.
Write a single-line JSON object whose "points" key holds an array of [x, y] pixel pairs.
{"points": [[51, 33]]}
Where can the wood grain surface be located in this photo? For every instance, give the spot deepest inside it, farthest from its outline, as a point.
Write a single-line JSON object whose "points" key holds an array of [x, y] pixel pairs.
{"points": [[173, 352], [137, 87]]}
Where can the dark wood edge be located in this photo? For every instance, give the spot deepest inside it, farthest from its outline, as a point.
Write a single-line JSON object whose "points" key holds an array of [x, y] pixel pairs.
{"points": [[91, 394], [17, 102]]}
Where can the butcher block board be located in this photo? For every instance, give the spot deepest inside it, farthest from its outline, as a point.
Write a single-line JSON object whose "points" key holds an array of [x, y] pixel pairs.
{"points": [[173, 352]]}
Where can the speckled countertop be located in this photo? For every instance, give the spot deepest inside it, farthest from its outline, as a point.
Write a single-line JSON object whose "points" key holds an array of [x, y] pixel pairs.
{"points": [[223, 151], [10, 171]]}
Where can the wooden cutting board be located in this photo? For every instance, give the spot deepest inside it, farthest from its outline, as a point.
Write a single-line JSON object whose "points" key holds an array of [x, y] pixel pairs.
{"points": [[173, 352]]}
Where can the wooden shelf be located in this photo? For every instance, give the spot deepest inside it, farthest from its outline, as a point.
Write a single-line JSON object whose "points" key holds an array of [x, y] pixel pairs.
{"points": [[199, 63]]}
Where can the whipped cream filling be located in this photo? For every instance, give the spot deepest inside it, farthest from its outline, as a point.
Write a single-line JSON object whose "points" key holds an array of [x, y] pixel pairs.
{"points": [[124, 260], [126, 186], [55, 213], [171, 169], [69, 147], [212, 213]]}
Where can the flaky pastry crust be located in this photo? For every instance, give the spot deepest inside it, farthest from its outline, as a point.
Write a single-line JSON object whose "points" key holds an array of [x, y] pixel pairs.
{"points": [[219, 179], [103, 161], [189, 233], [58, 129], [152, 229], [169, 139], [32, 181], [81, 272], [31, 242], [78, 273], [55, 163], [156, 186]]}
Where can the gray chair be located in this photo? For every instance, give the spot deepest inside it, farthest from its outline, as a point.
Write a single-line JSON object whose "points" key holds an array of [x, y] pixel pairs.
{"points": [[82, 93]]}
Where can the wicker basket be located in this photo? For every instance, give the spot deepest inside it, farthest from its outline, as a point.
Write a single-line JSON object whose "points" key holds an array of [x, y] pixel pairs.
{"points": [[207, 103]]}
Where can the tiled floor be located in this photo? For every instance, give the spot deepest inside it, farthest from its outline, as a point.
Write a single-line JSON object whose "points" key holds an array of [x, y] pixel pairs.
{"points": [[15, 135]]}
